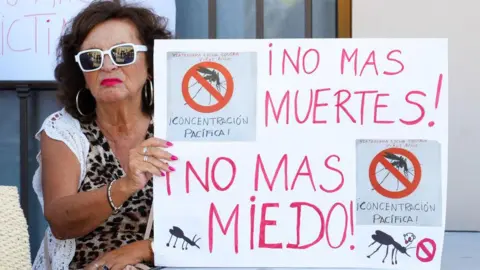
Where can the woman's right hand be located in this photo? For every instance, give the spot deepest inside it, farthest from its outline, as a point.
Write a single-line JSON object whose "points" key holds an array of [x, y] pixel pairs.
{"points": [[148, 159]]}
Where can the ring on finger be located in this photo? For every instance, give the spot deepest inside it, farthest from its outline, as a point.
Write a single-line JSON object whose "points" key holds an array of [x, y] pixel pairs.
{"points": [[145, 158], [145, 149]]}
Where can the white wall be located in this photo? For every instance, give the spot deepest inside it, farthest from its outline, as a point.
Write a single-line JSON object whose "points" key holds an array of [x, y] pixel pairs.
{"points": [[460, 22]]}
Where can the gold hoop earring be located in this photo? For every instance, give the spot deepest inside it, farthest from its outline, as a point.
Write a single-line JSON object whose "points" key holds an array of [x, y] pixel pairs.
{"points": [[76, 101], [151, 92]]}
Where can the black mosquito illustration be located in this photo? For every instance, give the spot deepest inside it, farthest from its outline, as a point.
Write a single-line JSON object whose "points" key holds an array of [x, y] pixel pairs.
{"points": [[211, 76], [399, 163], [386, 240], [178, 233]]}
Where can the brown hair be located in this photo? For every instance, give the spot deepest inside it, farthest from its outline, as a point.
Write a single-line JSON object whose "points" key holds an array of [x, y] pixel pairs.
{"points": [[69, 75]]}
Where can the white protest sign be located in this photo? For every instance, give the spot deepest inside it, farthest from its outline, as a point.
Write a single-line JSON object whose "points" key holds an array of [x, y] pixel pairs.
{"points": [[30, 30], [302, 153]]}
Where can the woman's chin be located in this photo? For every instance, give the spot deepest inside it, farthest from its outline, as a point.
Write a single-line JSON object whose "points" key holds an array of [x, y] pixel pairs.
{"points": [[111, 95]]}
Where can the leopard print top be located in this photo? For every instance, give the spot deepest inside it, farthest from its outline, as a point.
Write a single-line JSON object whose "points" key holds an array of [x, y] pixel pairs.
{"points": [[130, 223]]}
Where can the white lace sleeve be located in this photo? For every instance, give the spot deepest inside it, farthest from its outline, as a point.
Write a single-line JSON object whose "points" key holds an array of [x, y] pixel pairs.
{"points": [[63, 127]]}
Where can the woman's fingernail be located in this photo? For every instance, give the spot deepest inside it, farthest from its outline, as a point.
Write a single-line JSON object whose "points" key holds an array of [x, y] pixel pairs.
{"points": [[169, 144], [174, 157], [171, 168], [162, 173]]}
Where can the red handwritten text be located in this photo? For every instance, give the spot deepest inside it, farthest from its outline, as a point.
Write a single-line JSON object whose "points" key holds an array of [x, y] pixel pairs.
{"points": [[304, 169], [288, 107], [30, 33], [210, 174], [307, 61], [261, 217], [370, 62], [297, 60], [313, 105], [230, 222]]}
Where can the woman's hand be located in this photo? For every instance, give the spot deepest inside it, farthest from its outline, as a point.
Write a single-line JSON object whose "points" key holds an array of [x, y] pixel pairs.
{"points": [[123, 257], [146, 160]]}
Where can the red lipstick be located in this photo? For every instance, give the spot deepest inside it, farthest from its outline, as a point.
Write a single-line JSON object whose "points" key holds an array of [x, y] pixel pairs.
{"points": [[110, 82]]}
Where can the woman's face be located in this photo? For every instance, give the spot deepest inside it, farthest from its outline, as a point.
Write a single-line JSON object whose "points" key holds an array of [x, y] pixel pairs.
{"points": [[112, 83]]}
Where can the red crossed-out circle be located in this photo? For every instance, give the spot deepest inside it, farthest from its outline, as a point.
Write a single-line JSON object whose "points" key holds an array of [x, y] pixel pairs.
{"points": [[410, 187], [222, 101], [429, 254]]}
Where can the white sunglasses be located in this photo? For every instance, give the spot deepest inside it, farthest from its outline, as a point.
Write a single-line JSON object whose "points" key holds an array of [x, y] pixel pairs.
{"points": [[121, 55]]}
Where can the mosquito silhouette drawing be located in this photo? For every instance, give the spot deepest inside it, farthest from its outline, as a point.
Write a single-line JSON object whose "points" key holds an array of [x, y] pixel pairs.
{"points": [[178, 233], [399, 163], [386, 240], [211, 76]]}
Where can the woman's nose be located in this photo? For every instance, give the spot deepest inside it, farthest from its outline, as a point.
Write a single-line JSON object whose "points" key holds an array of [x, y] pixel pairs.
{"points": [[108, 64]]}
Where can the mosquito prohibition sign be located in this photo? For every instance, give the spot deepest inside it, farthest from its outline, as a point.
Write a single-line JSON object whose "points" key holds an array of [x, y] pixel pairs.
{"points": [[391, 167], [204, 81]]}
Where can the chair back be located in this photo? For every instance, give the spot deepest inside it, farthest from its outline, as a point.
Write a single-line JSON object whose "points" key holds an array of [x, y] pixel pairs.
{"points": [[14, 238]]}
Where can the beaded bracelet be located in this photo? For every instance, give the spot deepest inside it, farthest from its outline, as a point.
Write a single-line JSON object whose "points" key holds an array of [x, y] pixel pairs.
{"points": [[109, 195]]}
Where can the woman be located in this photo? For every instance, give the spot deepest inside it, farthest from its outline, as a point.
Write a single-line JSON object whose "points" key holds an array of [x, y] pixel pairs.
{"points": [[98, 155]]}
